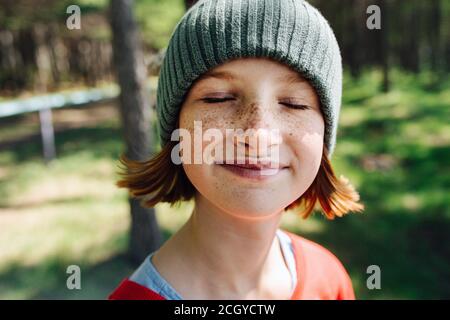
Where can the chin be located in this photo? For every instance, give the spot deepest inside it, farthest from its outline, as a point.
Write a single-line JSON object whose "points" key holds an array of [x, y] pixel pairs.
{"points": [[249, 210]]}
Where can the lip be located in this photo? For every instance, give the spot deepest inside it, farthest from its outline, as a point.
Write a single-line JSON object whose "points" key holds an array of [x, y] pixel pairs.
{"points": [[255, 171], [252, 164]]}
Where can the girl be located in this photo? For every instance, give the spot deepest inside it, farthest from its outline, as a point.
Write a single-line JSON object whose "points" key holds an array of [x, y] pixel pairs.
{"points": [[271, 68]]}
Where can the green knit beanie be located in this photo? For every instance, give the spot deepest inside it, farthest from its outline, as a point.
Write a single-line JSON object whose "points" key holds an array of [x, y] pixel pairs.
{"points": [[214, 31]]}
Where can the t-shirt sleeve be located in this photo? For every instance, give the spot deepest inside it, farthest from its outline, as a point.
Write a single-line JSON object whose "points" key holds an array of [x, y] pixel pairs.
{"points": [[345, 287], [326, 277], [340, 277]]}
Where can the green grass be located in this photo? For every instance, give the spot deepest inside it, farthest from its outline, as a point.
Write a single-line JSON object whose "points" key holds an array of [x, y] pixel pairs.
{"points": [[393, 147]]}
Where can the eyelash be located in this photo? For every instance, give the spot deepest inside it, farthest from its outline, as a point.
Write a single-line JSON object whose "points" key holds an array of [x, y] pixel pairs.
{"points": [[216, 100], [289, 105], [295, 106]]}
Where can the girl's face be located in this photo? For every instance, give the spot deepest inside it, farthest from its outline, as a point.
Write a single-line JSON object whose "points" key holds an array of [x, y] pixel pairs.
{"points": [[275, 101]]}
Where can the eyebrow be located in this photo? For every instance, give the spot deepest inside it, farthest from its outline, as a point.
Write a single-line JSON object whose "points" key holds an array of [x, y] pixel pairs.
{"points": [[216, 74], [291, 78]]}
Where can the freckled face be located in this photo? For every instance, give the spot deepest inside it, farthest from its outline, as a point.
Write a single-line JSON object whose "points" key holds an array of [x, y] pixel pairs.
{"points": [[256, 93]]}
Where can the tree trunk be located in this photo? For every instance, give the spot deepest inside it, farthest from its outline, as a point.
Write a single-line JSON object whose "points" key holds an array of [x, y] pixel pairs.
{"points": [[435, 36], [43, 58], [136, 114], [384, 38]]}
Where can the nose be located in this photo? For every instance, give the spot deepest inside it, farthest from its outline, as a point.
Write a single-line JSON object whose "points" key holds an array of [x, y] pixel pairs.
{"points": [[254, 116], [259, 133]]}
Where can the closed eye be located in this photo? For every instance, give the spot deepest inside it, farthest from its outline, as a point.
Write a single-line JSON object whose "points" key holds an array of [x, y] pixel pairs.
{"points": [[289, 105], [295, 106], [216, 100]]}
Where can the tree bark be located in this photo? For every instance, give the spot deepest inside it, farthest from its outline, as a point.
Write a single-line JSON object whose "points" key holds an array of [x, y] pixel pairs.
{"points": [[136, 114]]}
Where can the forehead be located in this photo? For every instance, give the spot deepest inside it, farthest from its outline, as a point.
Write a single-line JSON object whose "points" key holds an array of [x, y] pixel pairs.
{"points": [[252, 67]]}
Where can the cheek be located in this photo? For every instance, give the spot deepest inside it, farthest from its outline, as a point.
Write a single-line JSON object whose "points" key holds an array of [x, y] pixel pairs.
{"points": [[305, 133], [200, 174], [305, 141], [196, 174], [209, 117], [198, 120]]}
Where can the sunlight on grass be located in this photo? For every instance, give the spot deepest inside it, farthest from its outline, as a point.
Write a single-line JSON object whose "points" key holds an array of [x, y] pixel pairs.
{"points": [[70, 212]]}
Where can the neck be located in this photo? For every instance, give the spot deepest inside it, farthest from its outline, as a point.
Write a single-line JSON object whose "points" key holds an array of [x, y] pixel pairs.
{"points": [[236, 250]]}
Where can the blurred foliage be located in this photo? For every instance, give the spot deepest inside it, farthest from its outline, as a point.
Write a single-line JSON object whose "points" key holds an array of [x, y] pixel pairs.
{"points": [[156, 31], [38, 53], [22, 14], [74, 54]]}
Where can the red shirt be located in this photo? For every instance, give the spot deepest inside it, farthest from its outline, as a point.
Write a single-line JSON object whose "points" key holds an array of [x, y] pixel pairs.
{"points": [[320, 276]]}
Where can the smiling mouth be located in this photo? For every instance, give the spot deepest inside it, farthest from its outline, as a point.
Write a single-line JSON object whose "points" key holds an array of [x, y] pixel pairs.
{"points": [[258, 171]]}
